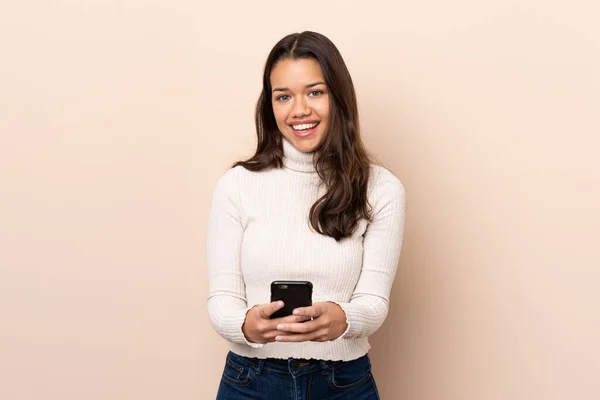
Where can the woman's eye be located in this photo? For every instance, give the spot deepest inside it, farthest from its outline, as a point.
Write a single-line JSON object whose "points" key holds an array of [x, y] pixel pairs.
{"points": [[283, 97], [315, 93]]}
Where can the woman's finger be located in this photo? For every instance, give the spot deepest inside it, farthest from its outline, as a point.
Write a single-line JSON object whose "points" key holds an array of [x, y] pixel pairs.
{"points": [[291, 319], [300, 327], [314, 311], [271, 335], [267, 309], [317, 336], [271, 324]]}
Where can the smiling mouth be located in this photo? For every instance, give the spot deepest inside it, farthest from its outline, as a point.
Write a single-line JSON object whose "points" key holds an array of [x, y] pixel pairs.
{"points": [[304, 127]]}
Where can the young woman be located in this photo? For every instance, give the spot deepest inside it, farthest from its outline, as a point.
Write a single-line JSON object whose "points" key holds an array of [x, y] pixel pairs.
{"points": [[309, 206]]}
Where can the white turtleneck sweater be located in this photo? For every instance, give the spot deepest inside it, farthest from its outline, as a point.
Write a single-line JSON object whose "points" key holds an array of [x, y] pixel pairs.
{"points": [[259, 232]]}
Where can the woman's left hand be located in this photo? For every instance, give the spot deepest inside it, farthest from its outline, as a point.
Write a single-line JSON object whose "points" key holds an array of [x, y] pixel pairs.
{"points": [[329, 323]]}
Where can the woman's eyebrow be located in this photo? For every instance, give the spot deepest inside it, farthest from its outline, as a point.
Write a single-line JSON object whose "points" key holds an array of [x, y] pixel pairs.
{"points": [[284, 89], [314, 84]]}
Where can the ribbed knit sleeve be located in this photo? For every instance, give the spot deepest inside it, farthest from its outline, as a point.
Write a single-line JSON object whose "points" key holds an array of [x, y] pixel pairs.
{"points": [[227, 304], [382, 241]]}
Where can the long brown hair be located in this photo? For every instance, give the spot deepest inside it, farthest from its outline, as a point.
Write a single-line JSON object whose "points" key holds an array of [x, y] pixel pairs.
{"points": [[341, 159]]}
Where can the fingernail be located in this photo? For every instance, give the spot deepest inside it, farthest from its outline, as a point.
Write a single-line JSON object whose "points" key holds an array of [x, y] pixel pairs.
{"points": [[280, 327], [278, 338], [280, 303], [296, 312]]}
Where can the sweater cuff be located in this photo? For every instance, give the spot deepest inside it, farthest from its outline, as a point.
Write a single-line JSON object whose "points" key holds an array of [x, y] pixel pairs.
{"points": [[241, 332], [231, 328], [352, 317]]}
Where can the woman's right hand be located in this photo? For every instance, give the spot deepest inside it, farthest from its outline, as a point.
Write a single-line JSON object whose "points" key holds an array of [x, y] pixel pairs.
{"points": [[259, 328]]}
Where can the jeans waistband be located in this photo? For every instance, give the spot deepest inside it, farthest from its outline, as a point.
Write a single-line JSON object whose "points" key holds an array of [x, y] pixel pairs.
{"points": [[290, 365]]}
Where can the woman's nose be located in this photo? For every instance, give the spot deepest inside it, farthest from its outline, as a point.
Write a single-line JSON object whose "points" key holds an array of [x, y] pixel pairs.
{"points": [[300, 108]]}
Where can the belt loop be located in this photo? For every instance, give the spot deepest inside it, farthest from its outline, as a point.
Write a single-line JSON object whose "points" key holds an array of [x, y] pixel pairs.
{"points": [[324, 367], [259, 366]]}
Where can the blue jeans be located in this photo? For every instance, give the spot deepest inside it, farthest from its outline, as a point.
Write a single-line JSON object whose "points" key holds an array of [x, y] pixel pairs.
{"points": [[294, 379]]}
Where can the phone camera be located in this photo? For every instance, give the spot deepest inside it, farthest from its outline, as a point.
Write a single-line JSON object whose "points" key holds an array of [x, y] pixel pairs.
{"points": [[283, 287]]}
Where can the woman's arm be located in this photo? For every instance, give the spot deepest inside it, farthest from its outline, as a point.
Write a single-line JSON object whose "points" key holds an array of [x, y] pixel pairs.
{"points": [[227, 304], [368, 307]]}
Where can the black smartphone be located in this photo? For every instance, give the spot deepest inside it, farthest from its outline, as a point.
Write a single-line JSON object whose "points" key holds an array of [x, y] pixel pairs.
{"points": [[294, 294]]}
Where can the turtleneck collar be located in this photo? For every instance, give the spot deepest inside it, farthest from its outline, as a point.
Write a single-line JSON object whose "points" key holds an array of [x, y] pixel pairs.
{"points": [[296, 160]]}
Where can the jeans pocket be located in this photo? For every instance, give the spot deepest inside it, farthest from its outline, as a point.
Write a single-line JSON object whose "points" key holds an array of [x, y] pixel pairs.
{"points": [[236, 371], [350, 374]]}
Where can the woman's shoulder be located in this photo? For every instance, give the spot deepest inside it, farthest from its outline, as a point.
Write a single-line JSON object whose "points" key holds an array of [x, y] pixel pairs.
{"points": [[384, 187], [230, 176], [382, 179], [237, 176], [230, 179]]}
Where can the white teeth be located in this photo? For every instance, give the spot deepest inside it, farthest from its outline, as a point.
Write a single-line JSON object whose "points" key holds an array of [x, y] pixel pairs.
{"points": [[303, 127]]}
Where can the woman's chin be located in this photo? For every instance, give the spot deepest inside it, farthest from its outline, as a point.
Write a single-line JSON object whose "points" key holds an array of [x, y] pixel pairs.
{"points": [[306, 144]]}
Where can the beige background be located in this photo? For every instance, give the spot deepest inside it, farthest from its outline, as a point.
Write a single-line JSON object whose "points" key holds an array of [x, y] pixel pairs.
{"points": [[117, 118]]}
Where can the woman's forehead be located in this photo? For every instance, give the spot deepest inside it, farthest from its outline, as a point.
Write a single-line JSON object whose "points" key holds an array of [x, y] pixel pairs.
{"points": [[298, 73]]}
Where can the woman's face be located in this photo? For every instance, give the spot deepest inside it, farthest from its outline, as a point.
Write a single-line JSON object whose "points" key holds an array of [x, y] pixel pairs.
{"points": [[300, 102]]}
